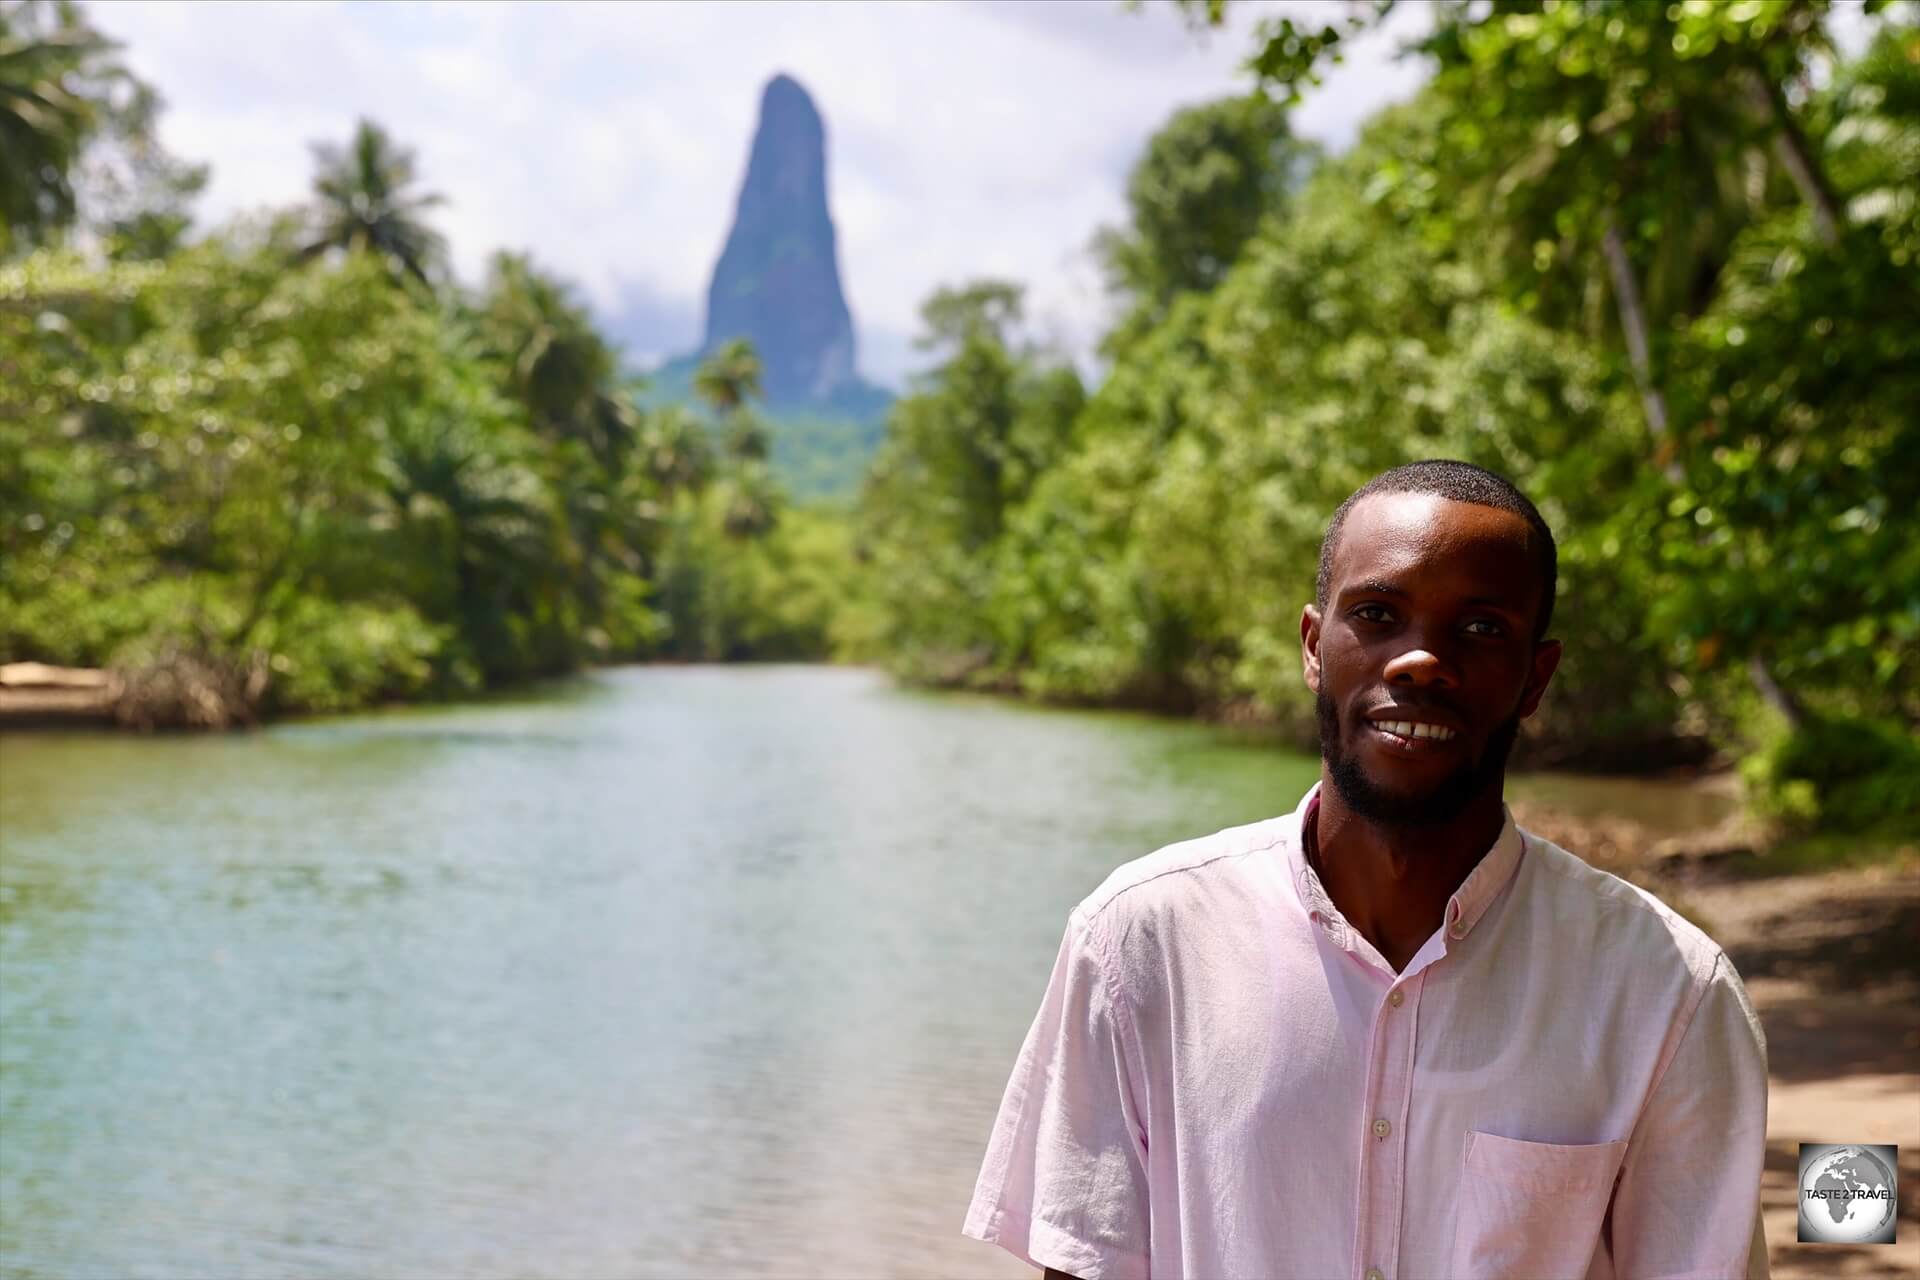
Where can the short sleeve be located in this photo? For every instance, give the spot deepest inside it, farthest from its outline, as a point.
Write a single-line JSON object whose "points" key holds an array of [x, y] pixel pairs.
{"points": [[1064, 1182], [1688, 1201]]}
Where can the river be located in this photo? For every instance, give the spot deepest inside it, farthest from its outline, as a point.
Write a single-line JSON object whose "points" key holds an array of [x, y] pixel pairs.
{"points": [[655, 972]]}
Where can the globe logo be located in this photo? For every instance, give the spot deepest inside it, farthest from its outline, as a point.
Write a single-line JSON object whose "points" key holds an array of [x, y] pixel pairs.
{"points": [[1848, 1195]]}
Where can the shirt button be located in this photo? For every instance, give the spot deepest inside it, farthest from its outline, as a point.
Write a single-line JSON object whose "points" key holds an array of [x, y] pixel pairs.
{"points": [[1373, 1273], [1459, 929], [1381, 1128], [1396, 997]]}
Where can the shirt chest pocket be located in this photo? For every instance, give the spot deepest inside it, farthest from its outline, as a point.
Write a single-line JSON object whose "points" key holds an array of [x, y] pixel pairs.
{"points": [[1530, 1209]]}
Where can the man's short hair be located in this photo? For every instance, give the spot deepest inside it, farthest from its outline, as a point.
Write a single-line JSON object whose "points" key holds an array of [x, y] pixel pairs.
{"points": [[1457, 482]]}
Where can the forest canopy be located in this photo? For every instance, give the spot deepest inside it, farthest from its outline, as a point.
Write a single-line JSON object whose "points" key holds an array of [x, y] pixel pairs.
{"points": [[1655, 263]]}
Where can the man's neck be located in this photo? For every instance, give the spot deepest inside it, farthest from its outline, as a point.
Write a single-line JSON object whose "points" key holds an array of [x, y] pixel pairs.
{"points": [[1392, 883]]}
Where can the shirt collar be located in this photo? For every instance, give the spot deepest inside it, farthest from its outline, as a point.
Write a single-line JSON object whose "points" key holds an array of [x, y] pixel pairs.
{"points": [[1464, 909]]}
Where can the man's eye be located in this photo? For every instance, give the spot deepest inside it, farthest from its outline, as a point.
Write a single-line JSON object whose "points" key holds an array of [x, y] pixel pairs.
{"points": [[1491, 628], [1372, 613]]}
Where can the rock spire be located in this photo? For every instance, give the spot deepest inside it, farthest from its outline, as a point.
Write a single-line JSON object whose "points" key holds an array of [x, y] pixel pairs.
{"points": [[778, 279]]}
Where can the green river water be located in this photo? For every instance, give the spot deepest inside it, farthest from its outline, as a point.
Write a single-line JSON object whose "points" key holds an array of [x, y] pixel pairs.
{"points": [[656, 972]]}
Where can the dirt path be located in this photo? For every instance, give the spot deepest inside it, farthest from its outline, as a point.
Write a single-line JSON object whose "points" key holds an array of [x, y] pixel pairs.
{"points": [[1832, 962]]}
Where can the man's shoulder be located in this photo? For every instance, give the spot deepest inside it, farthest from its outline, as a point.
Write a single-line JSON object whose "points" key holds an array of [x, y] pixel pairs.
{"points": [[1186, 871], [1628, 919]]}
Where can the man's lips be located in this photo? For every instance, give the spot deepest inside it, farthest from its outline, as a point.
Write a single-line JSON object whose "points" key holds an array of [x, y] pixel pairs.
{"points": [[1403, 743], [1411, 731]]}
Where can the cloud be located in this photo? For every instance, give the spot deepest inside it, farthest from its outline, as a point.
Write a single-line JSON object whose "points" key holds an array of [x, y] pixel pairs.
{"points": [[963, 140]]}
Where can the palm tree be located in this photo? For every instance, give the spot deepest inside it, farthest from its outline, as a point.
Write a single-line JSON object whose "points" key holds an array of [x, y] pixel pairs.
{"points": [[53, 77], [729, 377], [747, 439], [463, 508], [364, 202], [559, 366], [674, 452], [749, 501]]}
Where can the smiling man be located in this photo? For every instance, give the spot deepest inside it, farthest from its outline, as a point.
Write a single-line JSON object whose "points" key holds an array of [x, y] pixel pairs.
{"points": [[1390, 1034]]}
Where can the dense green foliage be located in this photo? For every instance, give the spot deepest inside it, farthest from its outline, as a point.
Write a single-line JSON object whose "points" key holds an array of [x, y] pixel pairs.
{"points": [[364, 204], [379, 495], [77, 128], [222, 455], [1838, 775], [54, 72], [293, 467], [1616, 251], [818, 453], [1199, 193], [1657, 263]]}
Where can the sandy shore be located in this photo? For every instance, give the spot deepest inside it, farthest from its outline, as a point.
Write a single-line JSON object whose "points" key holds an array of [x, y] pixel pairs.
{"points": [[1832, 964]]}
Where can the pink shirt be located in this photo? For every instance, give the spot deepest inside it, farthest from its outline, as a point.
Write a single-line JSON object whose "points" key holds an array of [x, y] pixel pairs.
{"points": [[1226, 1080]]}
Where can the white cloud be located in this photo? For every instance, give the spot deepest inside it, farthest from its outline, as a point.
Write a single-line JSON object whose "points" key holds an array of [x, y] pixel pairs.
{"points": [[963, 140]]}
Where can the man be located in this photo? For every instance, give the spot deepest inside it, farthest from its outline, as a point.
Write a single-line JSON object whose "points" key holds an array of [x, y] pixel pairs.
{"points": [[1390, 1035]]}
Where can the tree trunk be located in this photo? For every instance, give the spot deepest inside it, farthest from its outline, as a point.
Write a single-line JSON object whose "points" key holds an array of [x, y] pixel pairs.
{"points": [[1775, 696], [267, 588], [1633, 326], [1797, 158]]}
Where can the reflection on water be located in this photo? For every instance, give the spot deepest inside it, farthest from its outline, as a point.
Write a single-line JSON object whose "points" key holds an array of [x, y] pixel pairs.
{"points": [[661, 972], [669, 971]]}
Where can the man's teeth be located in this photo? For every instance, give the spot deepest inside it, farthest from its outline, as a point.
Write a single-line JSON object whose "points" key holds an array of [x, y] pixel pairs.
{"points": [[1415, 729]]}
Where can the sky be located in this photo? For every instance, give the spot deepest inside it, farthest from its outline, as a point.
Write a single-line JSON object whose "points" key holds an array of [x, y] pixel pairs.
{"points": [[964, 139]]}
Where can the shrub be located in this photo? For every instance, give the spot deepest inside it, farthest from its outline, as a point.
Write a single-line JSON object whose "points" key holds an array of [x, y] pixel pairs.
{"points": [[1837, 774]]}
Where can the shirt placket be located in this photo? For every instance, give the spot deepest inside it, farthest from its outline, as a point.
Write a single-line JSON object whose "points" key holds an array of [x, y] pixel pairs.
{"points": [[1383, 1151]]}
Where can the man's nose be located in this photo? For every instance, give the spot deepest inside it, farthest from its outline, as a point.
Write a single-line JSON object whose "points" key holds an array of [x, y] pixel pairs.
{"points": [[1422, 667]]}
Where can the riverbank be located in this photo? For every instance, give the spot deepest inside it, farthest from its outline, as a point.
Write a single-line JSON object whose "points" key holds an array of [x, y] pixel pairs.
{"points": [[33, 694], [200, 939], [1665, 817], [1829, 962], [1821, 933], [177, 690]]}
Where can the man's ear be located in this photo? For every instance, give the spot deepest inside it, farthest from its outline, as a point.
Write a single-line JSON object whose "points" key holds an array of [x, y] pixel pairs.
{"points": [[1310, 647], [1546, 659]]}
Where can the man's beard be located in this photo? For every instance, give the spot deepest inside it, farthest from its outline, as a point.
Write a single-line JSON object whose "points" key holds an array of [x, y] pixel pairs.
{"points": [[1443, 802]]}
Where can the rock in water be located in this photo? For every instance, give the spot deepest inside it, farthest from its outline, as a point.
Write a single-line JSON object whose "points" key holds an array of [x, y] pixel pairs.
{"points": [[778, 279]]}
